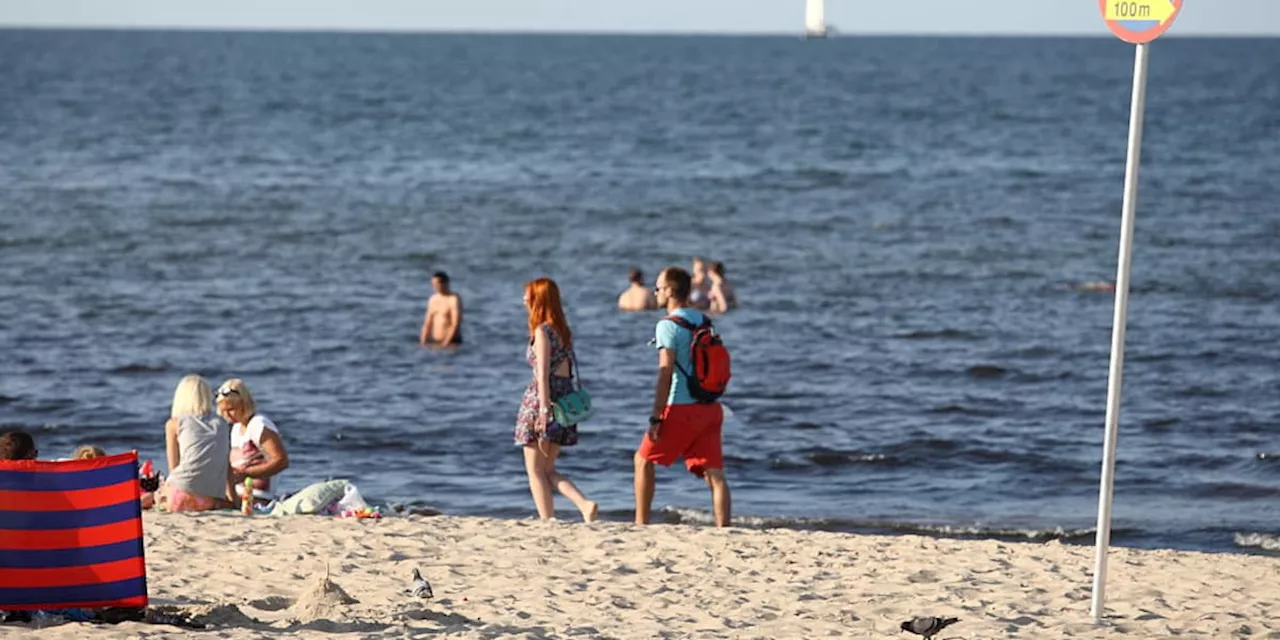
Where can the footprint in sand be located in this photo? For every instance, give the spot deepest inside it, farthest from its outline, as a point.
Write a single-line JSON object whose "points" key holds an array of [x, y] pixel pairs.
{"points": [[922, 576], [1016, 624], [271, 603]]}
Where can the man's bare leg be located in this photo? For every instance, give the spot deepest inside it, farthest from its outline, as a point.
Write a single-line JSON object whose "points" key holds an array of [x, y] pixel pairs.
{"points": [[644, 489], [721, 501]]}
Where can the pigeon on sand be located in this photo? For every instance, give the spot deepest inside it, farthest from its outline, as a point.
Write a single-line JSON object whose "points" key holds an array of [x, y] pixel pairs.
{"points": [[928, 626], [419, 588]]}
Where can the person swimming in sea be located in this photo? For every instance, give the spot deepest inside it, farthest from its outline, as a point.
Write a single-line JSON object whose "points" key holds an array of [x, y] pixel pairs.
{"points": [[637, 297], [1099, 285], [700, 291], [722, 298]]}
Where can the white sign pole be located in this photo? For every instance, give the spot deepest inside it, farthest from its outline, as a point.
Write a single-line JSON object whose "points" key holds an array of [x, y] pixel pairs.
{"points": [[1117, 328]]}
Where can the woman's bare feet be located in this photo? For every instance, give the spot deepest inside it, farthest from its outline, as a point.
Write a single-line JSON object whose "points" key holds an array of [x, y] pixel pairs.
{"points": [[591, 512]]}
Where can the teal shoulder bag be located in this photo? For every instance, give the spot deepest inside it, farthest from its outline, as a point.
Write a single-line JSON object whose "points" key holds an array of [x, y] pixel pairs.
{"points": [[574, 407]]}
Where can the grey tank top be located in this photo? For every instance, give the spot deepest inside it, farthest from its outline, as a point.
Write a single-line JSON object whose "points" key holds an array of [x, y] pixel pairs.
{"points": [[204, 449]]}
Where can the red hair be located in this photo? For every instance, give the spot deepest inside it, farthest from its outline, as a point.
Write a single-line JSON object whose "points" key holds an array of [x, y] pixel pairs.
{"points": [[545, 308]]}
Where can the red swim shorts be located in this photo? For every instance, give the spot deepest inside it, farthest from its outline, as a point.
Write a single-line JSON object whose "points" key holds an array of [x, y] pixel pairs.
{"points": [[689, 431]]}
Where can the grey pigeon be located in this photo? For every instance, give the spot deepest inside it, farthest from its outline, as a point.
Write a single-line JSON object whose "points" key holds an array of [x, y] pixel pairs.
{"points": [[420, 588], [929, 626]]}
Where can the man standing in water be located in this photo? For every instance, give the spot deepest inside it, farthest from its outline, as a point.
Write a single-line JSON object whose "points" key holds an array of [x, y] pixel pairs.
{"points": [[637, 297], [680, 426], [442, 328]]}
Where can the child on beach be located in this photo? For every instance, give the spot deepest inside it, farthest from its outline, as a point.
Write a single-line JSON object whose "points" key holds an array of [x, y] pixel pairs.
{"points": [[87, 452], [18, 445]]}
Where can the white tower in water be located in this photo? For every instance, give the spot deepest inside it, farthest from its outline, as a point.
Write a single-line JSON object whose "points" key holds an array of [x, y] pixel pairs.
{"points": [[815, 19]]}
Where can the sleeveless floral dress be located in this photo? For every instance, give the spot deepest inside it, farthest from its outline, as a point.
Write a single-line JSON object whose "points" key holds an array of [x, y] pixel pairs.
{"points": [[527, 417]]}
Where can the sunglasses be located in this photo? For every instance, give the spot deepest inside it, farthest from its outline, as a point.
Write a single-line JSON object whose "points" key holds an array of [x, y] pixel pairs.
{"points": [[222, 393]]}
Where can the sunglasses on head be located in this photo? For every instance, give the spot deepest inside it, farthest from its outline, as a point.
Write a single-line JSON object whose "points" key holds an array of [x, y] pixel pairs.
{"points": [[222, 393]]}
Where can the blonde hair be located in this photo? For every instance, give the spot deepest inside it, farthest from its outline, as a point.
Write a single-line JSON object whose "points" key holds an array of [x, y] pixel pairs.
{"points": [[192, 398], [699, 266], [242, 392], [88, 452]]}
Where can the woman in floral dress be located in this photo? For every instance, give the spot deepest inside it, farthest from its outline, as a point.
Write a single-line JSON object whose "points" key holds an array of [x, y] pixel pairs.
{"points": [[550, 353]]}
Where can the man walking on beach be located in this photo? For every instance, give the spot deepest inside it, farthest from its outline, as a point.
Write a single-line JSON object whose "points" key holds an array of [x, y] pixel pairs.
{"points": [[443, 325], [679, 425]]}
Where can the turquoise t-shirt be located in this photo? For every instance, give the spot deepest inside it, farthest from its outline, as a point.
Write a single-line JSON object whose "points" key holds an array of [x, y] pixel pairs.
{"points": [[670, 335]]}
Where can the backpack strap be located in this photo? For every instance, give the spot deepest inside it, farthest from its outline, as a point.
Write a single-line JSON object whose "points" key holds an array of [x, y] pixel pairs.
{"points": [[573, 369], [685, 324]]}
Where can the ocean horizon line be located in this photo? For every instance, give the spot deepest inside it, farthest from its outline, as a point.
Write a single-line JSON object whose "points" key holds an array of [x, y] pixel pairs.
{"points": [[797, 33]]}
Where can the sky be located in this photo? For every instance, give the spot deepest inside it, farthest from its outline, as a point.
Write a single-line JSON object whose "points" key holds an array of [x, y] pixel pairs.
{"points": [[1074, 17]]}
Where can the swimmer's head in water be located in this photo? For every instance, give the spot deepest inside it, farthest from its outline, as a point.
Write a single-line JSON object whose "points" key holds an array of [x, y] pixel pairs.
{"points": [[636, 276], [440, 282]]}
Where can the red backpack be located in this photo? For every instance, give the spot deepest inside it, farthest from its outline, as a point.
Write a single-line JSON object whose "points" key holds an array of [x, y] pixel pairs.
{"points": [[710, 375]]}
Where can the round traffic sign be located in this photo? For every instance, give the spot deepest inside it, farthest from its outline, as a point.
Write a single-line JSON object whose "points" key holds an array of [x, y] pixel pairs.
{"points": [[1139, 21]]}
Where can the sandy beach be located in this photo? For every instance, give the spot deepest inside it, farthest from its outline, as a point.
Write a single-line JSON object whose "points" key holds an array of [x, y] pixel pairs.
{"points": [[526, 579]]}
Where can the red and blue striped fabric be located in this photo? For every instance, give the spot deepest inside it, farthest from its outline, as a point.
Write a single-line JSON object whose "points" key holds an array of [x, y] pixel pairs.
{"points": [[71, 534]]}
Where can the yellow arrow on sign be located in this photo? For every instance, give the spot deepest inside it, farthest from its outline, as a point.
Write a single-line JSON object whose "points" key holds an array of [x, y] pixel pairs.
{"points": [[1160, 10]]}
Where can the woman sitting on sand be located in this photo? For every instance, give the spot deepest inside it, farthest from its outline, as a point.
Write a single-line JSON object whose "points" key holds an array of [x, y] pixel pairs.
{"points": [[197, 445], [550, 353], [256, 448]]}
